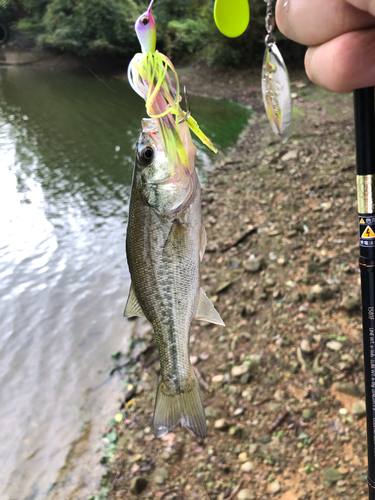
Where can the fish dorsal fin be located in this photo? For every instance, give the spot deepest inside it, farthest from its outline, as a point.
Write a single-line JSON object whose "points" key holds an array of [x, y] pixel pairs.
{"points": [[202, 241], [133, 307], [206, 310]]}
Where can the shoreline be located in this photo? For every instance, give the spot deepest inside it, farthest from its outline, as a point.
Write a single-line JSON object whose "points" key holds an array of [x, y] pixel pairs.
{"points": [[283, 382]]}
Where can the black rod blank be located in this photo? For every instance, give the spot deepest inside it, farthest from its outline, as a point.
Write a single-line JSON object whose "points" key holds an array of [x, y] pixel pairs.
{"points": [[365, 153]]}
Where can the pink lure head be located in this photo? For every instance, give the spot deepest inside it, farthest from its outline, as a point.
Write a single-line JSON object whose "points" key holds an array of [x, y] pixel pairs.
{"points": [[145, 29]]}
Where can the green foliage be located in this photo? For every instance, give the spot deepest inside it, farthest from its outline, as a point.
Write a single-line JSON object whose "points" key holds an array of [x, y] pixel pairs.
{"points": [[86, 26]]}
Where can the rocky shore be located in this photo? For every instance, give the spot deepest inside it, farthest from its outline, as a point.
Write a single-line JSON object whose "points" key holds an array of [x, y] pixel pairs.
{"points": [[282, 383]]}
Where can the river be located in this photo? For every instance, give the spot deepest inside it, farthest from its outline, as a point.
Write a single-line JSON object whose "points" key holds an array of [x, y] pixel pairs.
{"points": [[66, 159]]}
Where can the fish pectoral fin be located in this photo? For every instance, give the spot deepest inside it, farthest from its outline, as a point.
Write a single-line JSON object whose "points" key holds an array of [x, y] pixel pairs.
{"points": [[206, 310], [133, 307], [202, 241]]}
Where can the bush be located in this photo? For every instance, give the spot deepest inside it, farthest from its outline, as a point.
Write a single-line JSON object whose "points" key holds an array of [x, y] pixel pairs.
{"points": [[87, 26]]}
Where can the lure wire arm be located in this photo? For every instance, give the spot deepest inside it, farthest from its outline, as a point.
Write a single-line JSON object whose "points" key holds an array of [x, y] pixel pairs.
{"points": [[187, 114]]}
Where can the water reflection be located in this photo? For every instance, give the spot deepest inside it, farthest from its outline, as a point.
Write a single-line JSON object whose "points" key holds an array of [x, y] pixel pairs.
{"points": [[66, 163]]}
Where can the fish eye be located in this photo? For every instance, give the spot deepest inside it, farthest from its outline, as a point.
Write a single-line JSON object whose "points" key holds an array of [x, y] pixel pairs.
{"points": [[144, 20], [146, 154]]}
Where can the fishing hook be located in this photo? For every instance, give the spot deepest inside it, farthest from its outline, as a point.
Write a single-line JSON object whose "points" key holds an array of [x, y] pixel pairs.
{"points": [[187, 114]]}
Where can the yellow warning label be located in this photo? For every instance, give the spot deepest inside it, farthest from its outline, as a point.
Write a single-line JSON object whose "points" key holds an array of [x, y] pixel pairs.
{"points": [[361, 221], [368, 233]]}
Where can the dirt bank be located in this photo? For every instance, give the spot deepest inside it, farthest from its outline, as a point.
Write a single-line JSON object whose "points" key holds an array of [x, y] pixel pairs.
{"points": [[283, 381]]}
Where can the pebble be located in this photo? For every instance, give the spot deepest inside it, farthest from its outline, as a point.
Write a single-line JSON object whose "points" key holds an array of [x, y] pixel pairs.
{"points": [[138, 484], [331, 474], [351, 302], [359, 409], [238, 412], [343, 471], [307, 347], [211, 412], [253, 264], [247, 395], [194, 360], [221, 424], [246, 495], [274, 487], [334, 345], [290, 155], [347, 388], [247, 466], [217, 379], [160, 475], [238, 371], [308, 414], [253, 448], [242, 457]]}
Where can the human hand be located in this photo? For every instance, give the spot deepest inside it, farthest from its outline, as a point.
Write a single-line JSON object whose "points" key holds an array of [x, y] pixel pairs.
{"points": [[341, 35]]}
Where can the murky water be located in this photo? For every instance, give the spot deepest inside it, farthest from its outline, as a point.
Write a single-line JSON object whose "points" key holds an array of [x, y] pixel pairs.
{"points": [[67, 148]]}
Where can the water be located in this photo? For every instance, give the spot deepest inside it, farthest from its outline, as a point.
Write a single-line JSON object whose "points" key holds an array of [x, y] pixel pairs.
{"points": [[67, 148]]}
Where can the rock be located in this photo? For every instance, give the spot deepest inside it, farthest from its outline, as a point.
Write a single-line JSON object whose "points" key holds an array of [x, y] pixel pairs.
{"points": [[221, 424], [253, 448], [245, 379], [334, 345], [274, 487], [211, 412], [247, 395], [331, 474], [281, 261], [347, 388], [295, 298], [307, 347], [138, 484], [270, 282], [320, 292], [308, 414], [238, 412], [290, 155], [238, 371], [242, 457], [160, 475], [246, 495], [247, 466], [359, 409], [247, 311], [253, 264], [351, 302], [236, 431], [343, 471], [194, 360], [217, 379]]}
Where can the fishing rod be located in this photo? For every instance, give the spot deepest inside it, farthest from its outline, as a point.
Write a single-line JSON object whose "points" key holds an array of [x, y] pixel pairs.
{"points": [[364, 118]]}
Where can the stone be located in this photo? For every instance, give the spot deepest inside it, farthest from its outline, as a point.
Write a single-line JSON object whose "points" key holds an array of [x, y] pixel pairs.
{"points": [[247, 466], [236, 431], [307, 347], [270, 282], [221, 424], [331, 474], [308, 414], [351, 302], [217, 379], [290, 155], [253, 264], [253, 448], [242, 457], [245, 379], [211, 412], [359, 409], [274, 487], [246, 495], [343, 471], [334, 345], [160, 475], [238, 371], [247, 395], [238, 412], [295, 298], [138, 484], [317, 368], [347, 388]]}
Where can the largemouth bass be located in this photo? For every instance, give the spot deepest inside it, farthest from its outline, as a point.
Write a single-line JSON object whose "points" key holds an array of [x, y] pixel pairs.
{"points": [[165, 242]]}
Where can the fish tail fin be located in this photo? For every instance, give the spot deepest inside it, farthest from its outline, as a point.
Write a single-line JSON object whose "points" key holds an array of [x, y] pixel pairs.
{"points": [[185, 406]]}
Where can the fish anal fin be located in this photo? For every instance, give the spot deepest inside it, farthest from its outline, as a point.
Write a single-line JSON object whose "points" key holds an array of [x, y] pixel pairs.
{"points": [[206, 310], [133, 308], [202, 241], [172, 407]]}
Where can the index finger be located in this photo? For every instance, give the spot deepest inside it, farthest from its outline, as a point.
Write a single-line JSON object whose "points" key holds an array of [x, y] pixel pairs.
{"points": [[315, 22]]}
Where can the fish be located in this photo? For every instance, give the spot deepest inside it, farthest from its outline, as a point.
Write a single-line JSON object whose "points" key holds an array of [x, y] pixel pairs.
{"points": [[165, 243]]}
